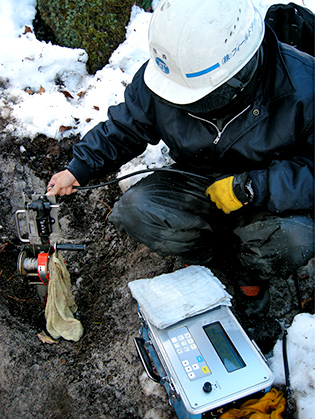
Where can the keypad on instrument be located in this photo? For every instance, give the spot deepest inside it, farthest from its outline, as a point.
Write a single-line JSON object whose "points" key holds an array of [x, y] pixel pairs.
{"points": [[189, 354]]}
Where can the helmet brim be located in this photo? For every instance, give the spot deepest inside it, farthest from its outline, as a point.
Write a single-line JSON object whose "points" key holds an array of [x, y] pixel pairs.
{"points": [[172, 92]]}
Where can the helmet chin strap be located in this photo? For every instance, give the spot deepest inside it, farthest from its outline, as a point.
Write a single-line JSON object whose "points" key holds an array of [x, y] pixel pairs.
{"points": [[243, 97], [234, 97], [237, 83]]}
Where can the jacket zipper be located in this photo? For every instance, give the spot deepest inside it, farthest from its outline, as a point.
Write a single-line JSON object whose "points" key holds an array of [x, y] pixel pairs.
{"points": [[217, 139]]}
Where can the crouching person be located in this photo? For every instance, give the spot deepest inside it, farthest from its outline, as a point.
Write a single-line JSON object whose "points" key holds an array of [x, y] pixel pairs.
{"points": [[235, 106]]}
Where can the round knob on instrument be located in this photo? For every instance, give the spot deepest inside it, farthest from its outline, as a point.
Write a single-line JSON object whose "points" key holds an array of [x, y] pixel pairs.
{"points": [[207, 387]]}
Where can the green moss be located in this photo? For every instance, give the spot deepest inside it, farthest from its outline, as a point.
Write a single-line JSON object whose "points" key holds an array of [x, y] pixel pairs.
{"points": [[98, 26], [146, 4]]}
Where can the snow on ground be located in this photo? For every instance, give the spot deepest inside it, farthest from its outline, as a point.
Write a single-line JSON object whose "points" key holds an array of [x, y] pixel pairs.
{"points": [[28, 65], [301, 356]]}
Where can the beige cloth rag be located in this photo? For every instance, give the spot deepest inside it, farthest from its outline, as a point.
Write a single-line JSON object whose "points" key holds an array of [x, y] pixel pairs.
{"points": [[60, 304]]}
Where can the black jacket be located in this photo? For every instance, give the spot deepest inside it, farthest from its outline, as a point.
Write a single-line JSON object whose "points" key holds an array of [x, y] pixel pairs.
{"points": [[272, 138]]}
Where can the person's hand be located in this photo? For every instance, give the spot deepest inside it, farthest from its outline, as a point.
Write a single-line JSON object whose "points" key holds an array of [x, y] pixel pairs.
{"points": [[62, 184], [231, 193]]}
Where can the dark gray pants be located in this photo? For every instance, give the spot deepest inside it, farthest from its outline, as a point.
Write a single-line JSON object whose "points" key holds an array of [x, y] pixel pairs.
{"points": [[172, 216]]}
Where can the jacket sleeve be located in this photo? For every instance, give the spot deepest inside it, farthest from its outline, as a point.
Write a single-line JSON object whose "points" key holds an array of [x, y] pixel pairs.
{"points": [[287, 184], [125, 135]]}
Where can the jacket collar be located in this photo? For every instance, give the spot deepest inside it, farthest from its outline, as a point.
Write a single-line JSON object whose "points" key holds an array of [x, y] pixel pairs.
{"points": [[276, 81]]}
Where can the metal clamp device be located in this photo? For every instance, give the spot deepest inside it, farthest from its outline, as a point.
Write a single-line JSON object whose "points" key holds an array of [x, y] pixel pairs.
{"points": [[39, 219]]}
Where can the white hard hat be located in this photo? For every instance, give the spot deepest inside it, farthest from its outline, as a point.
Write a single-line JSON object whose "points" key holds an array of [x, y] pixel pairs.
{"points": [[197, 45]]}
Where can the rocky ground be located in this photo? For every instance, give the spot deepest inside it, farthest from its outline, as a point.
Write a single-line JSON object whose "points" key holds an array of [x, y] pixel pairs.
{"points": [[100, 376]]}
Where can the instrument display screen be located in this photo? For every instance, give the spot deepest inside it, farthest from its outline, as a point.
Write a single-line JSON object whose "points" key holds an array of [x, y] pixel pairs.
{"points": [[227, 352]]}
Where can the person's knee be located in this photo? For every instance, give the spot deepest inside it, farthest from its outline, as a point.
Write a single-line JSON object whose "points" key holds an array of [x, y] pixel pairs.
{"points": [[277, 245], [165, 226], [298, 243], [129, 211]]}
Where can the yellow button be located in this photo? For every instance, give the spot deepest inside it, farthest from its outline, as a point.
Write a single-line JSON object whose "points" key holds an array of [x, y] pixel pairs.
{"points": [[205, 370]]}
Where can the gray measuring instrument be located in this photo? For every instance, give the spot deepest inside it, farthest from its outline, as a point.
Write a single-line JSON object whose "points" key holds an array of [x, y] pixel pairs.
{"points": [[204, 362]]}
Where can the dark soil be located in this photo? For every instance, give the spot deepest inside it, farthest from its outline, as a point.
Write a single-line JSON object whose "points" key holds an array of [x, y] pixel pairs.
{"points": [[100, 376]]}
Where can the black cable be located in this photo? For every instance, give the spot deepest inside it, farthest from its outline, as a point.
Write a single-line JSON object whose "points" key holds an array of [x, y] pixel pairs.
{"points": [[286, 373], [139, 172]]}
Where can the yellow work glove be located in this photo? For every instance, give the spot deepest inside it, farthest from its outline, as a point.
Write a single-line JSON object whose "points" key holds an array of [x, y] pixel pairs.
{"points": [[231, 193], [270, 406]]}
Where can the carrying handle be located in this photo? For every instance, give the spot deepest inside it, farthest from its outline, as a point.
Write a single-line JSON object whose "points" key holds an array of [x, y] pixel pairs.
{"points": [[144, 357], [17, 223]]}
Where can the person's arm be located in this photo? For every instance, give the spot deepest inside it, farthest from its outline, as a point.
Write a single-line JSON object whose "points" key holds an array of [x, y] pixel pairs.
{"points": [[110, 144], [288, 184], [125, 135]]}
